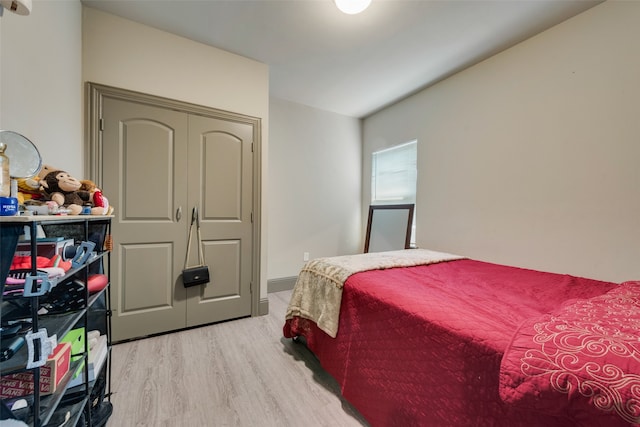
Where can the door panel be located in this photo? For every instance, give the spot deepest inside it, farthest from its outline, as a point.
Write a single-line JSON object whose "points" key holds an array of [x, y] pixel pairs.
{"points": [[223, 258], [135, 265], [222, 176], [221, 184], [145, 168], [152, 145]]}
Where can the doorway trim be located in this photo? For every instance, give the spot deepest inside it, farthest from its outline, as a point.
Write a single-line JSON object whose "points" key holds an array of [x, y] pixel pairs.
{"points": [[95, 94]]}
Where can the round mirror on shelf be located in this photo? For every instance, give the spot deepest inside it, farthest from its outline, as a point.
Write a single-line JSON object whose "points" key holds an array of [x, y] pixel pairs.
{"points": [[24, 157]]}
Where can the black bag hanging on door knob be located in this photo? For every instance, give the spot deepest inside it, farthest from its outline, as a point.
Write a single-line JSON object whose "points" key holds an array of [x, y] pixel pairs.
{"points": [[199, 274]]}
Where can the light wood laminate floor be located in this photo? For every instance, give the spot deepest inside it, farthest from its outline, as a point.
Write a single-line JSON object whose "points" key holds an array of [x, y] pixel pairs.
{"points": [[237, 373]]}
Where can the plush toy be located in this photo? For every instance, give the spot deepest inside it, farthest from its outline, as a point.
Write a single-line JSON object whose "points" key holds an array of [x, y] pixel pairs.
{"points": [[44, 171], [64, 189], [99, 203], [29, 189], [29, 192]]}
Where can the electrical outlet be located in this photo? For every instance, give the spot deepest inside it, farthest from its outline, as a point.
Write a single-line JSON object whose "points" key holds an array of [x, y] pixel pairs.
{"points": [[305, 256]]}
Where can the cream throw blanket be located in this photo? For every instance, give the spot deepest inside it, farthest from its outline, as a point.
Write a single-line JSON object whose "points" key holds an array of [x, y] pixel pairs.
{"points": [[318, 290]]}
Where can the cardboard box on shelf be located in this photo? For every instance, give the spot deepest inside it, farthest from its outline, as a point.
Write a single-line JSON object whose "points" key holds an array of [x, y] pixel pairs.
{"points": [[21, 384], [45, 247]]}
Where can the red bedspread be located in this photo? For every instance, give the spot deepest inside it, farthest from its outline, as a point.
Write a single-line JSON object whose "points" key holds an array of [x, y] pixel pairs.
{"points": [[422, 346], [586, 354]]}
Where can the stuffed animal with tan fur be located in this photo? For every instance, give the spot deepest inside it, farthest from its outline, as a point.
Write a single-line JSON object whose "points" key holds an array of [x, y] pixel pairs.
{"points": [[65, 190]]}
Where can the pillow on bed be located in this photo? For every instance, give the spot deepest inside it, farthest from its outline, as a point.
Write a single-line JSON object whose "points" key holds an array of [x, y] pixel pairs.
{"points": [[584, 356]]}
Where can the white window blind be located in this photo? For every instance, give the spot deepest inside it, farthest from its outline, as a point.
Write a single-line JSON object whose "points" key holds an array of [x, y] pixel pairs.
{"points": [[394, 175]]}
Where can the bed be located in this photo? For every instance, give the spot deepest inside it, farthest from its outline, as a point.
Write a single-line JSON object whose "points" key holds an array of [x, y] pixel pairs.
{"points": [[422, 338]]}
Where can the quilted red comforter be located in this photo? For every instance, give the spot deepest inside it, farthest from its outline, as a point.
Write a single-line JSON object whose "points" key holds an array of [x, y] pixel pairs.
{"points": [[585, 354], [422, 346]]}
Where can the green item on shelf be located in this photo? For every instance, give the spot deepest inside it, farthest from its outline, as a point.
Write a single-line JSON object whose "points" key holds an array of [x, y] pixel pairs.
{"points": [[76, 338]]}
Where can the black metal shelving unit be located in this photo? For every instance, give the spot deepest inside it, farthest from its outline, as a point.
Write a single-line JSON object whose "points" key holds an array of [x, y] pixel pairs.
{"points": [[65, 403]]}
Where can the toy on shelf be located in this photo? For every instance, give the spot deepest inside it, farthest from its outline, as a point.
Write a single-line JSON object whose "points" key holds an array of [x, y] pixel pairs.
{"points": [[65, 190], [53, 191], [99, 203]]}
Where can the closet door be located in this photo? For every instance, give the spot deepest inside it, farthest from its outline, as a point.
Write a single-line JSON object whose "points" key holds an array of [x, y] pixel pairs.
{"points": [[221, 185], [145, 178], [158, 164]]}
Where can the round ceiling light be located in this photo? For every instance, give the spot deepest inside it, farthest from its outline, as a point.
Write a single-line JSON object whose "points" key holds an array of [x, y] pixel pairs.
{"points": [[21, 7], [351, 7]]}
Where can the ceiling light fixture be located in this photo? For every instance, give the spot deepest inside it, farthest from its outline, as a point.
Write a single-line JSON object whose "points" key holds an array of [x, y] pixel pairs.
{"points": [[21, 7], [351, 7]]}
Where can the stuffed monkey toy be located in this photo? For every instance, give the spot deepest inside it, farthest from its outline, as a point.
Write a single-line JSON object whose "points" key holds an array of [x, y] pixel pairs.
{"points": [[64, 189]]}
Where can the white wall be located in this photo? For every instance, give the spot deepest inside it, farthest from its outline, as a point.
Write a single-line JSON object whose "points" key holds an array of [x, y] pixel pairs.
{"points": [[314, 186], [531, 158], [125, 54], [40, 80], [121, 53], [46, 57]]}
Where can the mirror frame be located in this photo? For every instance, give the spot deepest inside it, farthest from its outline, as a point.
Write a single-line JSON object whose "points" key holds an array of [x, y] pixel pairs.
{"points": [[24, 158], [371, 224]]}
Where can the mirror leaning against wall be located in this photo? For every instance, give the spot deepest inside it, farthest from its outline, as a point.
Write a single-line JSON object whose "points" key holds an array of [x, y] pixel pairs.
{"points": [[389, 227]]}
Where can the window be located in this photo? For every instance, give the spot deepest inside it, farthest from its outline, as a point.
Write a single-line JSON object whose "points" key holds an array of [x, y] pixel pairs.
{"points": [[393, 177]]}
